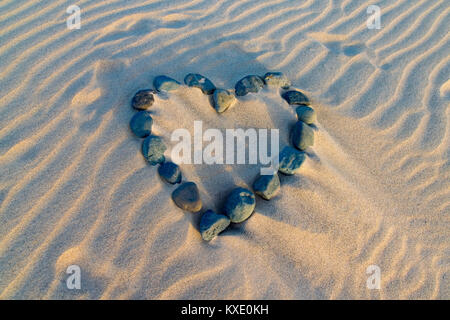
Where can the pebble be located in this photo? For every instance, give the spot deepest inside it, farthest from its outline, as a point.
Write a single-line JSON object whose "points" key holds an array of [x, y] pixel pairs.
{"points": [[302, 135], [240, 204], [153, 150], [295, 97], [141, 124], [199, 81], [143, 99], [248, 84], [164, 83], [306, 114], [223, 99], [170, 172], [267, 186], [187, 197], [290, 160], [277, 79], [211, 224]]}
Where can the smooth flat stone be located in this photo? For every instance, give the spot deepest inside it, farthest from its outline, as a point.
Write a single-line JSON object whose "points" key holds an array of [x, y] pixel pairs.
{"points": [[240, 204], [199, 81], [164, 83], [267, 186], [141, 124], [170, 172], [277, 79], [295, 97], [143, 99], [306, 114], [248, 84], [290, 160], [211, 224], [223, 99], [187, 197], [153, 150], [302, 135]]}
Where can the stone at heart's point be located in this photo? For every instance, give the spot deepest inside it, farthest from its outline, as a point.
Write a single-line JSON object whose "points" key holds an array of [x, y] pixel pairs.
{"points": [[143, 99], [302, 136], [164, 83], [267, 186], [290, 160], [295, 97], [153, 150], [211, 224], [240, 204], [248, 84], [201, 82], [141, 124], [187, 197]]}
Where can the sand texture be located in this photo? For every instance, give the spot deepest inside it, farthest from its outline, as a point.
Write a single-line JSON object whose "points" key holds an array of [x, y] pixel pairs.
{"points": [[75, 188]]}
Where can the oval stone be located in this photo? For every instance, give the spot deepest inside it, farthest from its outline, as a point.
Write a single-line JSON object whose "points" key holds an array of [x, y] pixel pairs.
{"points": [[240, 204], [295, 97], [306, 114], [153, 150], [222, 99], [170, 172], [290, 160], [277, 79], [211, 224], [187, 197], [141, 124], [267, 186], [164, 83], [248, 84], [143, 99], [199, 81], [302, 136]]}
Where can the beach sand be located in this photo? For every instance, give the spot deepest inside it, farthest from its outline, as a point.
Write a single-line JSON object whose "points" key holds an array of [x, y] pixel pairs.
{"points": [[75, 189]]}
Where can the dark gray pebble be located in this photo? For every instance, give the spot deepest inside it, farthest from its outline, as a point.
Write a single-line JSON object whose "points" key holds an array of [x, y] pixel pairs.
{"points": [[153, 150], [170, 172], [199, 81], [164, 83], [240, 204], [295, 97], [248, 84], [141, 124], [290, 160], [211, 224], [187, 197], [143, 99], [302, 136], [306, 114], [267, 186]]}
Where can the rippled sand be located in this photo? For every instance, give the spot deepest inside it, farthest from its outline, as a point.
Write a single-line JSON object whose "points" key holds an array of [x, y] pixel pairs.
{"points": [[74, 187]]}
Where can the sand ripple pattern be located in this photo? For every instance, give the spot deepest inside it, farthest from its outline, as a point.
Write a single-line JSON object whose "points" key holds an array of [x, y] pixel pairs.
{"points": [[74, 188]]}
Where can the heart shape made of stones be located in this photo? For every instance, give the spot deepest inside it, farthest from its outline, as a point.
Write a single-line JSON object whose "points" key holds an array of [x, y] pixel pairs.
{"points": [[240, 203]]}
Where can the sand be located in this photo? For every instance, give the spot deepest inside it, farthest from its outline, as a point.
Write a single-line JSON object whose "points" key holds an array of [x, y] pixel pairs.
{"points": [[75, 189]]}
